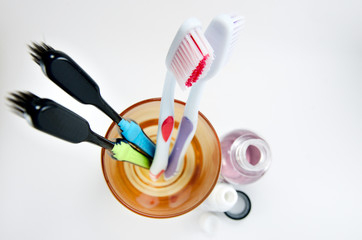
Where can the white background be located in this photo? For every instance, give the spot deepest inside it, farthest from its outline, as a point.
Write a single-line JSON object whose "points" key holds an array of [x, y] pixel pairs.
{"points": [[294, 78]]}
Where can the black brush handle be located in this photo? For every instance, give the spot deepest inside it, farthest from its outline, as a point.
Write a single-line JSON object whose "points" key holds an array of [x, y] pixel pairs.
{"points": [[61, 122], [69, 76]]}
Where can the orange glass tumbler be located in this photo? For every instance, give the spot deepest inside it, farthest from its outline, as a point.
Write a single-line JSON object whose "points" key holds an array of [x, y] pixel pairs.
{"points": [[132, 186]]}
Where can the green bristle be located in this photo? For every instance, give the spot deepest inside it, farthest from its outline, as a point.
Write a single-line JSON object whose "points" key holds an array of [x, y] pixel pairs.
{"points": [[125, 152]]}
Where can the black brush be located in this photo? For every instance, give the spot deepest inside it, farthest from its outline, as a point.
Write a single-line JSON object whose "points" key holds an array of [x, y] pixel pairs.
{"points": [[69, 76], [56, 120]]}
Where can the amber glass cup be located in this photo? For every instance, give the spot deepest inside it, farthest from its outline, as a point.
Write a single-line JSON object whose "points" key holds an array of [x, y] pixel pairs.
{"points": [[132, 185]]}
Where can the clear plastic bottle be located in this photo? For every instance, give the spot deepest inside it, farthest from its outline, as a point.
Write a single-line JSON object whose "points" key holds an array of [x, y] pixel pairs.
{"points": [[245, 157]]}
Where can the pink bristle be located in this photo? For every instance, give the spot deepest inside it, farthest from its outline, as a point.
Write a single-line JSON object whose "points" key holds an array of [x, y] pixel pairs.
{"points": [[197, 72], [194, 50]]}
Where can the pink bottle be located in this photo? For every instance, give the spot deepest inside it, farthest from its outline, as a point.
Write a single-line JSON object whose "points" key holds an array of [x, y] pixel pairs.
{"points": [[245, 157]]}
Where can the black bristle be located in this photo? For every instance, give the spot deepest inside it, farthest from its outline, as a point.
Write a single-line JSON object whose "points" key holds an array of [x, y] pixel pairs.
{"points": [[38, 51], [28, 96], [18, 111], [35, 58], [17, 105], [47, 47], [21, 102]]}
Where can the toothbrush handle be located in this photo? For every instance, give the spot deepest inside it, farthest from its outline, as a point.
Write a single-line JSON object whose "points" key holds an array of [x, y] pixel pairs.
{"points": [[186, 130], [165, 127], [65, 124], [100, 141], [69, 76]]}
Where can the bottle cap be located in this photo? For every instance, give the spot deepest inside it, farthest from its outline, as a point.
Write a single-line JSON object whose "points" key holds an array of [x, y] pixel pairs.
{"points": [[222, 198], [241, 208]]}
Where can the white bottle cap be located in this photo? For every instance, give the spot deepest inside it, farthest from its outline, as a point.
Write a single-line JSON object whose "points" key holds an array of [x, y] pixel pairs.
{"points": [[221, 199]]}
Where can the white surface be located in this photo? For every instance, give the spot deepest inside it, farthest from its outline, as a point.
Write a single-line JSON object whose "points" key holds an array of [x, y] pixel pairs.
{"points": [[209, 223], [294, 78]]}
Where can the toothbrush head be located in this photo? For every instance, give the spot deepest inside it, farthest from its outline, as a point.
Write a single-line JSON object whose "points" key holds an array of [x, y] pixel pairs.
{"points": [[42, 54], [222, 33], [238, 23], [123, 151], [190, 55]]}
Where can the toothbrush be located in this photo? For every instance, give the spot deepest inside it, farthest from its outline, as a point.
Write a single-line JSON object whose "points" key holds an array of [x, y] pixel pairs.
{"points": [[69, 76], [189, 58], [222, 34], [54, 119]]}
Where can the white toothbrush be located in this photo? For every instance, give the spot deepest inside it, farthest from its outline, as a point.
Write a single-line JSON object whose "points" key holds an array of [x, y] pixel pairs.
{"points": [[188, 58], [222, 33]]}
